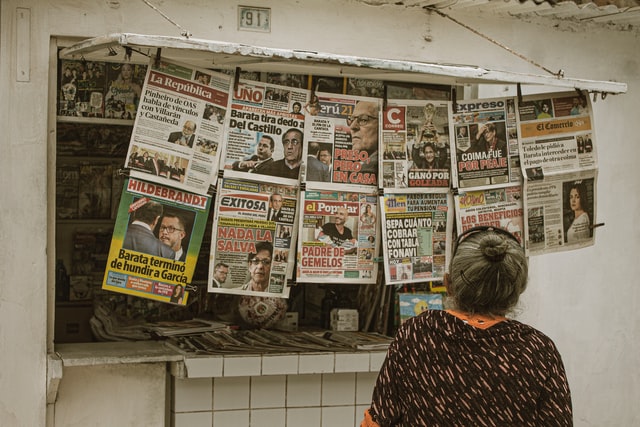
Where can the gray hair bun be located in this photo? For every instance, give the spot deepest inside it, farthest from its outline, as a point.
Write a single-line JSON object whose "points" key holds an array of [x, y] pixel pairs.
{"points": [[494, 247]]}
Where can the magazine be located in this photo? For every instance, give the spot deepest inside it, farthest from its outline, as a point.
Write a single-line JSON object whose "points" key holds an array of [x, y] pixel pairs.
{"points": [[156, 241]]}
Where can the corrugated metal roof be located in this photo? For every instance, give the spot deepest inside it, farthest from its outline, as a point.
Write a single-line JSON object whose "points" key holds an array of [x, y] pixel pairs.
{"points": [[618, 15]]}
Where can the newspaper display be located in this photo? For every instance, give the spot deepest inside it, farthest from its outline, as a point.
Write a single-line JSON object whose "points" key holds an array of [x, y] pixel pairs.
{"points": [[179, 126], [253, 237], [265, 131], [416, 146], [338, 237], [486, 141], [345, 128], [156, 241], [415, 227], [560, 162], [496, 207]]}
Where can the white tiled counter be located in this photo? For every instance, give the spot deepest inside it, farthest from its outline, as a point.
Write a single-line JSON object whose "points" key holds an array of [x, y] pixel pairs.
{"points": [[319, 389]]}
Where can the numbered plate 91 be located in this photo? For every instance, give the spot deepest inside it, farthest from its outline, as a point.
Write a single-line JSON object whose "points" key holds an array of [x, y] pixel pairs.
{"points": [[254, 19]]}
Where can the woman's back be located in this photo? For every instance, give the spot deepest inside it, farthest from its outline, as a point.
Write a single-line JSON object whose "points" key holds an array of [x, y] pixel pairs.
{"points": [[447, 373]]}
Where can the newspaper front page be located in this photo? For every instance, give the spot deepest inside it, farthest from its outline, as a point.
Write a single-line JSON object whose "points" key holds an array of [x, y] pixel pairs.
{"points": [[416, 145], [496, 207], [338, 237], [156, 241], [486, 141], [179, 126], [341, 131], [253, 237], [559, 161], [556, 135], [265, 132], [415, 227]]}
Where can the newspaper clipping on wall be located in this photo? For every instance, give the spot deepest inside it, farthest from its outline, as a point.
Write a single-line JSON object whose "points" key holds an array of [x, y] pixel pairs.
{"points": [[415, 227], [265, 131], [156, 241], [341, 135], [560, 164], [338, 237], [496, 207], [416, 154], [253, 238], [486, 141], [179, 126]]}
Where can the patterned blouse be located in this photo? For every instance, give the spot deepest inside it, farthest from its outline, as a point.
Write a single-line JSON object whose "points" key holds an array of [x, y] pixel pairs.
{"points": [[441, 371]]}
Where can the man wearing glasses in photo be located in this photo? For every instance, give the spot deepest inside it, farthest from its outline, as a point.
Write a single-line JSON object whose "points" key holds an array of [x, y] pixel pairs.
{"points": [[171, 233], [364, 133], [289, 166], [259, 268]]}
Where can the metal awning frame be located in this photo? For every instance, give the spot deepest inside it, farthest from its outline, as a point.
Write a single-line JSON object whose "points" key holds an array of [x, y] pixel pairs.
{"points": [[213, 54]]}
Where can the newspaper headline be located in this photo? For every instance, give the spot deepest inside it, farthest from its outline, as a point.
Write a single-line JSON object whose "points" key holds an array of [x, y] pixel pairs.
{"points": [[415, 227], [496, 207], [179, 126], [416, 145], [486, 141], [156, 241], [338, 237], [342, 141], [252, 238], [265, 131]]}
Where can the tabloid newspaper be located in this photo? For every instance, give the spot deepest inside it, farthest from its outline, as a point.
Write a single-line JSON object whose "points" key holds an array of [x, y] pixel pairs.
{"points": [[253, 237], [414, 231], [179, 126], [416, 146], [153, 257], [559, 161], [486, 144], [496, 207], [342, 132], [265, 128], [338, 237]]}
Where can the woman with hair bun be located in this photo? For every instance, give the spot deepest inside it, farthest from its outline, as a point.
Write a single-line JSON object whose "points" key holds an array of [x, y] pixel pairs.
{"points": [[470, 365]]}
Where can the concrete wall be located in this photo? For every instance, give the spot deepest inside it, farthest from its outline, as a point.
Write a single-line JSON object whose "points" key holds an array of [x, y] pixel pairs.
{"points": [[586, 300]]}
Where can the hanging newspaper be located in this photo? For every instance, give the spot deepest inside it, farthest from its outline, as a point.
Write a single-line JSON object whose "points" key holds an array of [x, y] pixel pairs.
{"points": [[486, 141], [560, 213], [556, 135], [179, 126], [341, 132], [252, 238], [265, 131], [496, 207], [416, 146], [156, 241], [414, 231], [560, 162], [338, 237]]}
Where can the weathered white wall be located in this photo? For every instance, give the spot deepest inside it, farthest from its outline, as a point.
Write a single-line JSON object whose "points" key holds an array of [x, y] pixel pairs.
{"points": [[587, 300], [112, 395]]}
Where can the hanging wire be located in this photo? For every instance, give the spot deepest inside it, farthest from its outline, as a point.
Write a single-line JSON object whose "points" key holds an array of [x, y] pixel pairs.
{"points": [[559, 74], [184, 33]]}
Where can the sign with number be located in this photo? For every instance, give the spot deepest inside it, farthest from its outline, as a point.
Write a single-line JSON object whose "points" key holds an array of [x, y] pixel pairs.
{"points": [[254, 18]]}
